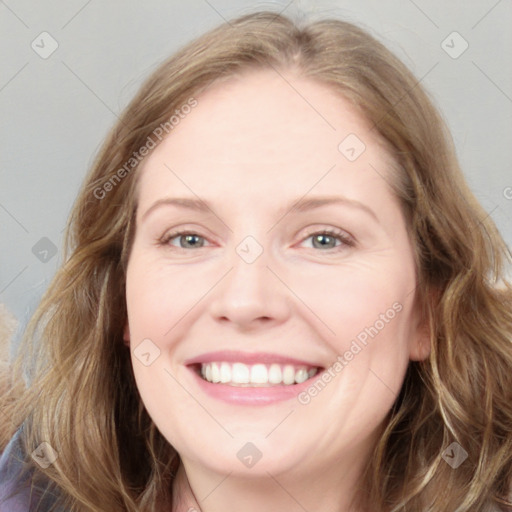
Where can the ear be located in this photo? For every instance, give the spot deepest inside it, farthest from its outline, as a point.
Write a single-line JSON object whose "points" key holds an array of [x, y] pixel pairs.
{"points": [[420, 338], [126, 334], [420, 344]]}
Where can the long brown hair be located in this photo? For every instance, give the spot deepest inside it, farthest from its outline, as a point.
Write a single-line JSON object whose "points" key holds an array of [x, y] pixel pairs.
{"points": [[81, 396]]}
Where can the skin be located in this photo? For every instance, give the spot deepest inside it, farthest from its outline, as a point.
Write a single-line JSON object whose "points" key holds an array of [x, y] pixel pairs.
{"points": [[250, 147]]}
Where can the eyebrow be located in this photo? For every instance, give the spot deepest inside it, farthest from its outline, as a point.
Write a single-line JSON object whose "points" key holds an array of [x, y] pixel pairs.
{"points": [[297, 205]]}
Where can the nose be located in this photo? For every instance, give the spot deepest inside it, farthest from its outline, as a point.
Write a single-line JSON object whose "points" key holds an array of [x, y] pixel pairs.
{"points": [[251, 293]]}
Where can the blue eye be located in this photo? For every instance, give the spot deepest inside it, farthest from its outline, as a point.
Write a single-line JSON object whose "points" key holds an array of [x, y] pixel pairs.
{"points": [[190, 239], [321, 240], [324, 239]]}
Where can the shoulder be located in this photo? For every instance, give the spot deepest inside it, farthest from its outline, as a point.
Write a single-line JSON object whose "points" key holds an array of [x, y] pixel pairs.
{"points": [[17, 494], [14, 490]]}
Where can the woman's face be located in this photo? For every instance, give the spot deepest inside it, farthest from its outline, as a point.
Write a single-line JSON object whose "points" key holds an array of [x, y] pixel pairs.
{"points": [[253, 283]]}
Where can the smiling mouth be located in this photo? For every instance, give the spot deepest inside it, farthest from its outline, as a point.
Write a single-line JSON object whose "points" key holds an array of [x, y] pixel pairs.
{"points": [[254, 375]]}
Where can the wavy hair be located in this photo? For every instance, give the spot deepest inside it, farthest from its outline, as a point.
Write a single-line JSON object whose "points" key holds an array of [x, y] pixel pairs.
{"points": [[73, 375]]}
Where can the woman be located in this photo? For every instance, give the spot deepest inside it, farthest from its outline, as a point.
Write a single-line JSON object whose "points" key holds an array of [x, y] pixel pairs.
{"points": [[204, 347]]}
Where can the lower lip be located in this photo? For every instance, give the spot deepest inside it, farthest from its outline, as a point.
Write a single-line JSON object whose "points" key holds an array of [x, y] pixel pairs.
{"points": [[252, 396]]}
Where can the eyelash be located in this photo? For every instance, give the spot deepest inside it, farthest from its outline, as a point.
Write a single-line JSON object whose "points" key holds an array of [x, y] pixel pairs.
{"points": [[345, 240]]}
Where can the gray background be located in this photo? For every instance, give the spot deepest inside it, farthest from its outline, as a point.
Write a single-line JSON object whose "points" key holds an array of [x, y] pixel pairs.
{"points": [[56, 110]]}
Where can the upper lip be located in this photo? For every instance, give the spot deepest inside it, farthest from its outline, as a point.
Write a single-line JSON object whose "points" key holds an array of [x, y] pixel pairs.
{"points": [[234, 356]]}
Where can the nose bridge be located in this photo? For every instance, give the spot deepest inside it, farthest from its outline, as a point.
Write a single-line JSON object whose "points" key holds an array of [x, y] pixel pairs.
{"points": [[250, 290]]}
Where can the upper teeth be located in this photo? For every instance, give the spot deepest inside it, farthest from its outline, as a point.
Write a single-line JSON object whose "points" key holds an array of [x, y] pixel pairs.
{"points": [[240, 374]]}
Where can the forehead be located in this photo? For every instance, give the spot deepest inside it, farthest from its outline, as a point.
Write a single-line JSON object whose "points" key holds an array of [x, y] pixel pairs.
{"points": [[261, 131]]}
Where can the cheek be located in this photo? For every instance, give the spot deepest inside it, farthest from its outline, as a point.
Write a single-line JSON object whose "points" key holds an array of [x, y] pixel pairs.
{"points": [[349, 299], [156, 298], [153, 296], [367, 310], [355, 301]]}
